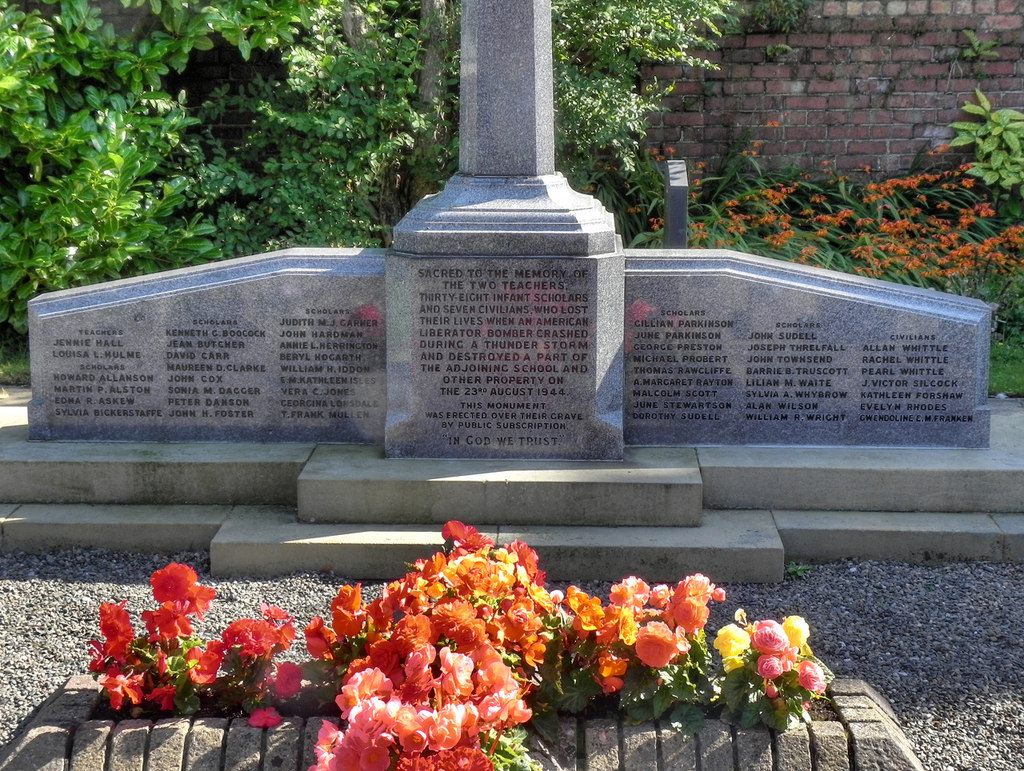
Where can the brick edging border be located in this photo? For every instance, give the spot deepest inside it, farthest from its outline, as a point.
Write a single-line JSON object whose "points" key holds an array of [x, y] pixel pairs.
{"points": [[61, 737]]}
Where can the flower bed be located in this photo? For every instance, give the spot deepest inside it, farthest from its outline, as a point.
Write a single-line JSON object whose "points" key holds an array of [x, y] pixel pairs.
{"points": [[445, 669]]}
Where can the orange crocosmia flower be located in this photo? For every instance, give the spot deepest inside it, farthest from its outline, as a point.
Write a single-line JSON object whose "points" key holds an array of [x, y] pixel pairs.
{"points": [[656, 645]]}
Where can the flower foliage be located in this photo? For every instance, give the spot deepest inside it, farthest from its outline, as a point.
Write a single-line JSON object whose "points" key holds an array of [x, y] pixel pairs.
{"points": [[446, 666]]}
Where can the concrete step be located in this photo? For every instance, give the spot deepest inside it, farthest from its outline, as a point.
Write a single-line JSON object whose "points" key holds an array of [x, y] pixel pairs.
{"points": [[821, 536], [653, 486], [148, 472], [729, 546], [873, 479], [740, 546]]}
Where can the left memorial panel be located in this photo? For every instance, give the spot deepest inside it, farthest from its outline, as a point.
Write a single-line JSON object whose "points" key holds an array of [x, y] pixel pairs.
{"points": [[287, 346]]}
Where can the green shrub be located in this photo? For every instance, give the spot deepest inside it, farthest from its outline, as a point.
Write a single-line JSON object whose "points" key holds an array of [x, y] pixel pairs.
{"points": [[998, 141], [364, 124], [336, 153], [85, 130]]}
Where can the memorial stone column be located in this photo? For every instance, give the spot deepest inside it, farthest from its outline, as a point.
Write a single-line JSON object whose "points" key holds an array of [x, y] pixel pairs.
{"points": [[504, 291]]}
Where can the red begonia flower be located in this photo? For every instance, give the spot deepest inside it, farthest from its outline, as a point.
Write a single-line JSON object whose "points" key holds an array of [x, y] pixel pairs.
{"points": [[265, 717]]}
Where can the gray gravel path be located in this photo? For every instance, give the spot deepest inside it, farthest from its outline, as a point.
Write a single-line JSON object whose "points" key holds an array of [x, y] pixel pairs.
{"points": [[943, 643]]}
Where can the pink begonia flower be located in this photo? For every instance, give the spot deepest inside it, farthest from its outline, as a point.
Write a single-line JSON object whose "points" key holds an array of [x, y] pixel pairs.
{"points": [[657, 644], [770, 667], [811, 677], [660, 595], [326, 738], [288, 681], [362, 685], [769, 637], [456, 673], [410, 728], [265, 717], [631, 591], [444, 727]]}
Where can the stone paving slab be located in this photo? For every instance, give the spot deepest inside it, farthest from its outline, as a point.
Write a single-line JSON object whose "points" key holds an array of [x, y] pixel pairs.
{"points": [[61, 736]]}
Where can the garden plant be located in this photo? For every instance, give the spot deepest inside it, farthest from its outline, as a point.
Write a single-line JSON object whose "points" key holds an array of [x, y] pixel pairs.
{"points": [[450, 664]]}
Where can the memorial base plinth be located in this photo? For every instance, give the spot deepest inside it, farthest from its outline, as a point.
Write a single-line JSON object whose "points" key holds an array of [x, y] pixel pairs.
{"points": [[504, 357]]}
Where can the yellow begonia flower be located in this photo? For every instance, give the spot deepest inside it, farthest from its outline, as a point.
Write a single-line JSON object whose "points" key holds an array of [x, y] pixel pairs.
{"points": [[731, 641], [796, 630], [731, 663]]}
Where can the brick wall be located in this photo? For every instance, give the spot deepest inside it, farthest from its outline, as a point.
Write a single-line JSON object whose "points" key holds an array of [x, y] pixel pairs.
{"points": [[861, 83]]}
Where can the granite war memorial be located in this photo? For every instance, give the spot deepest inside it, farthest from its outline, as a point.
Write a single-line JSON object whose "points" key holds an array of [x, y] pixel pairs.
{"points": [[507, 322]]}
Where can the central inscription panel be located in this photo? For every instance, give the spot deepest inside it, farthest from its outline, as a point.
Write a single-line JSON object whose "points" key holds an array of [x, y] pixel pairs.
{"points": [[504, 357]]}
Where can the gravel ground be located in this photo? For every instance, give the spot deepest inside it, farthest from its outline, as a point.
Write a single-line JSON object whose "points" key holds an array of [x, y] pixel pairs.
{"points": [[943, 643]]}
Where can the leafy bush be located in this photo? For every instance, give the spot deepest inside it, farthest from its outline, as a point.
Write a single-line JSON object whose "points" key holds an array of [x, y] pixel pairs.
{"points": [[85, 129], [82, 126], [339, 151], [364, 124], [998, 150]]}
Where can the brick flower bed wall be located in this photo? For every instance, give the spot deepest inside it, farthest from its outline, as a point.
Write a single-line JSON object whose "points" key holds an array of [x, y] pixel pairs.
{"points": [[859, 83]]}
